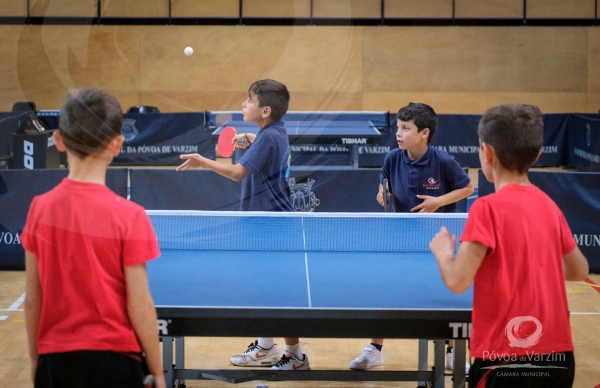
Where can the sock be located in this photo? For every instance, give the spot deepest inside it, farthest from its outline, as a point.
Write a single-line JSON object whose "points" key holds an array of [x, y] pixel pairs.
{"points": [[295, 351], [449, 350], [266, 342], [379, 347]]}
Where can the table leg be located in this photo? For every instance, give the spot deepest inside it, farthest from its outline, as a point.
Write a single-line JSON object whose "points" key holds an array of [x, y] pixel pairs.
{"points": [[438, 363], [459, 363], [423, 355], [355, 156], [180, 355], [167, 343]]}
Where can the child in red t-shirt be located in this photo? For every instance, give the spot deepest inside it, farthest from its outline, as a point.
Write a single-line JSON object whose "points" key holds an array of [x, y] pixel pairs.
{"points": [[518, 250], [88, 309]]}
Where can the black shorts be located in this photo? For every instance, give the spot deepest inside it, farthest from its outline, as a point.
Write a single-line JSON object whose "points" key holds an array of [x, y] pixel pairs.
{"points": [[546, 371], [89, 369]]}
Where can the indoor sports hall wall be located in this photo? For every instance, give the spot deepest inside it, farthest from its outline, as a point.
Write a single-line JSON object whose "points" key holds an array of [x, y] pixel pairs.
{"points": [[455, 69]]}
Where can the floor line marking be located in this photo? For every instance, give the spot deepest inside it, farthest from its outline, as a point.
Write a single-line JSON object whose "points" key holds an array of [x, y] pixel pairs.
{"points": [[16, 305]]}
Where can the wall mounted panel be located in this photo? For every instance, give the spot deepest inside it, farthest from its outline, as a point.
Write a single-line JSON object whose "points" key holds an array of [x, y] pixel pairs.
{"points": [[276, 9], [347, 9], [63, 8], [427, 9], [491, 9], [205, 8]]}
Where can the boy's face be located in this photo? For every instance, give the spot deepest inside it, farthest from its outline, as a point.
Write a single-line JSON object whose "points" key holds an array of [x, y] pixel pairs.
{"points": [[408, 136], [251, 110]]}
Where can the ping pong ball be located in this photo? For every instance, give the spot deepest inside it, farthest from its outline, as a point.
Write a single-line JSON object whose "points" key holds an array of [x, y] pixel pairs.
{"points": [[188, 51]]}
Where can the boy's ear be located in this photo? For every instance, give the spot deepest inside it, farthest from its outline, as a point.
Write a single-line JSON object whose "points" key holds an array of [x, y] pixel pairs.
{"points": [[538, 156], [488, 153], [266, 112], [425, 133], [115, 145], [60, 145]]}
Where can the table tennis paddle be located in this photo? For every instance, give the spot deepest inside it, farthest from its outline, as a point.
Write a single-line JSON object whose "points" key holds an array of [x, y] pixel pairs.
{"points": [[386, 200], [225, 145]]}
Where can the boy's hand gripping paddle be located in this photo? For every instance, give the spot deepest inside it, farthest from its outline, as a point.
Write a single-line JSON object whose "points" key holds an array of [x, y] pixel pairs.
{"points": [[386, 199], [225, 145]]}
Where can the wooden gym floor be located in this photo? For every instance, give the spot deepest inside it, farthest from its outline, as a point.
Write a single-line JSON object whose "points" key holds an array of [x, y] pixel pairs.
{"points": [[214, 353]]}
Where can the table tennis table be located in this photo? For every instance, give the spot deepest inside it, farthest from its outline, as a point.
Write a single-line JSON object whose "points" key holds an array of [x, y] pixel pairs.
{"points": [[314, 137], [207, 282]]}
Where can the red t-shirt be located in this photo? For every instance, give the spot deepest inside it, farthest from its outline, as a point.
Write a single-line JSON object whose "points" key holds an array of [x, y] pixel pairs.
{"points": [[519, 289], [83, 235]]}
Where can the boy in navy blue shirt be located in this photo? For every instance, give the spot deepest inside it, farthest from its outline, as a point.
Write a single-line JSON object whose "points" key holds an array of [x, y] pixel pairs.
{"points": [[421, 179], [264, 170]]}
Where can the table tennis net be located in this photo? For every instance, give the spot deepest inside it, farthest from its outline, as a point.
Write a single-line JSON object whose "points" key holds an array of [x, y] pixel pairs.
{"points": [[319, 232]]}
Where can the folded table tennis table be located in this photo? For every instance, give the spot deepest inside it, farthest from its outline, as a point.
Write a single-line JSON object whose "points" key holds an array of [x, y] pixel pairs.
{"points": [[314, 137]]}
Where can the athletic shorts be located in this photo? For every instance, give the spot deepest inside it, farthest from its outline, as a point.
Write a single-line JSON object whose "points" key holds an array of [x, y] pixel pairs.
{"points": [[555, 370], [89, 369]]}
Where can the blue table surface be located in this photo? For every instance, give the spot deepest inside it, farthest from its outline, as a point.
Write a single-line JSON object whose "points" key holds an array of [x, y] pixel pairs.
{"points": [[291, 279], [317, 127]]}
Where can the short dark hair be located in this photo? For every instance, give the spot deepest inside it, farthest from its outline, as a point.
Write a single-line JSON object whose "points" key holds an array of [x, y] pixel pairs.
{"points": [[273, 94], [89, 119], [516, 132], [422, 115]]}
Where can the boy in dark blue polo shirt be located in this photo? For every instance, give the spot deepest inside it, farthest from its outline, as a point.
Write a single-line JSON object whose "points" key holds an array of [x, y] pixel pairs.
{"points": [[264, 170], [421, 179]]}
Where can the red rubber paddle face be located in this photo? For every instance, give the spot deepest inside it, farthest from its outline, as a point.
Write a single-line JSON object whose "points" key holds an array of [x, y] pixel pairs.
{"points": [[225, 145]]}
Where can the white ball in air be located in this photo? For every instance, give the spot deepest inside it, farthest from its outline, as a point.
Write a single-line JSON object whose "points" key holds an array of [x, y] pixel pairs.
{"points": [[188, 51]]}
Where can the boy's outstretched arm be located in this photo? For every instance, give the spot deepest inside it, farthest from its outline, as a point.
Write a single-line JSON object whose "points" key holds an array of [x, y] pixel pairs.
{"points": [[576, 265], [457, 274], [235, 172], [431, 204], [142, 314], [33, 307]]}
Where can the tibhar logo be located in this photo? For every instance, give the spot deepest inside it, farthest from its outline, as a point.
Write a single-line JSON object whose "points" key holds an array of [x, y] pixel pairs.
{"points": [[351, 140], [163, 326], [303, 199], [518, 339], [461, 329], [28, 155], [129, 131]]}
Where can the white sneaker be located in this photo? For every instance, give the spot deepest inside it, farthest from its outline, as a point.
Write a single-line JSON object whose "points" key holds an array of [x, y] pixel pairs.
{"points": [[289, 362], [450, 361], [257, 356], [370, 356]]}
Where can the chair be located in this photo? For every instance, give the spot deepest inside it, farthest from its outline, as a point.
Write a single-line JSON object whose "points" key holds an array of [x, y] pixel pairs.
{"points": [[24, 106], [143, 109]]}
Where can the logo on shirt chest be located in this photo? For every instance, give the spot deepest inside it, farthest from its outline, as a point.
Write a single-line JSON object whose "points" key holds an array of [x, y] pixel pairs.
{"points": [[431, 184]]}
